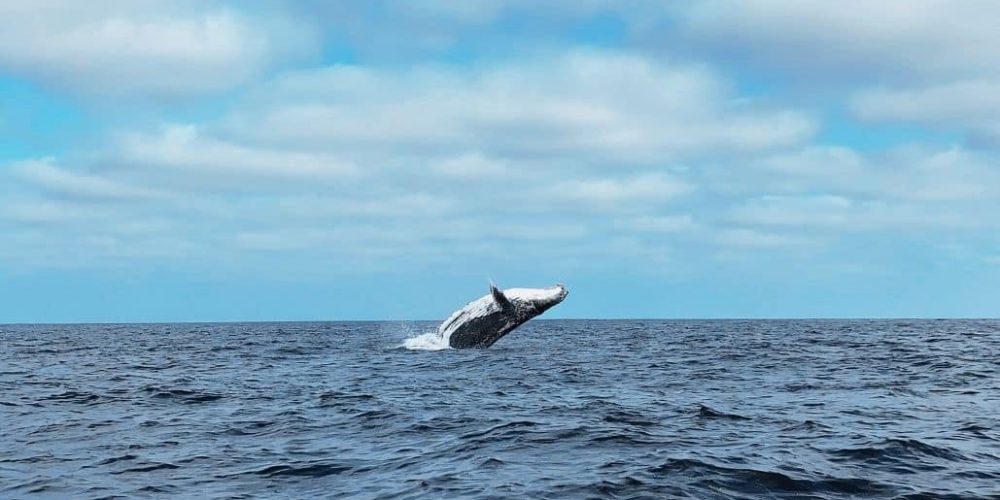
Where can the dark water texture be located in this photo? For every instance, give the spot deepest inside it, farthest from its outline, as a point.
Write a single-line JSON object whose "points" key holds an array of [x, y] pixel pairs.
{"points": [[558, 409]]}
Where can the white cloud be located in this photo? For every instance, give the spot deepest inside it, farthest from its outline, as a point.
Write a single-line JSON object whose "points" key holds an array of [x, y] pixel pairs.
{"points": [[918, 62], [44, 174], [471, 166], [593, 106], [952, 174], [831, 193], [855, 39], [368, 164], [655, 224], [34, 211], [817, 211], [914, 174], [143, 48], [392, 205], [199, 157], [837, 214], [755, 239], [571, 157], [815, 161], [977, 101], [969, 105], [645, 189]]}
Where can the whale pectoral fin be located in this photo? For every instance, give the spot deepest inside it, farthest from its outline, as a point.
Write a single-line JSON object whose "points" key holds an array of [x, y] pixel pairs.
{"points": [[499, 297]]}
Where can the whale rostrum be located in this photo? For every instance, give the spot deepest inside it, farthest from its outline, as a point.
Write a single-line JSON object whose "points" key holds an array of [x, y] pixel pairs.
{"points": [[485, 320]]}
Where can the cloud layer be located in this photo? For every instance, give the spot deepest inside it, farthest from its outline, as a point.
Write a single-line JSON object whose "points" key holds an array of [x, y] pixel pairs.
{"points": [[326, 138]]}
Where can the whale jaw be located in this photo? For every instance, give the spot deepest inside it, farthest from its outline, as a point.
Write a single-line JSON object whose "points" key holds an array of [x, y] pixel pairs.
{"points": [[484, 321]]}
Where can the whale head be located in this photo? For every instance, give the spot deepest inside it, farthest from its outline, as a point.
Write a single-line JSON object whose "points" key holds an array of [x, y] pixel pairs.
{"points": [[535, 301]]}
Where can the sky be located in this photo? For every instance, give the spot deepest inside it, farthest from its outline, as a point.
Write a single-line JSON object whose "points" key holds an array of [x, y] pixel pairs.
{"points": [[337, 160]]}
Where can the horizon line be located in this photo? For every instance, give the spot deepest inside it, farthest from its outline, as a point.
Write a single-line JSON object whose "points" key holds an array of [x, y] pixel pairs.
{"points": [[277, 321]]}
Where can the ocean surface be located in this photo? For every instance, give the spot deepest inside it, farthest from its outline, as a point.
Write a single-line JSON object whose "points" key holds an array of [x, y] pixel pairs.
{"points": [[557, 409]]}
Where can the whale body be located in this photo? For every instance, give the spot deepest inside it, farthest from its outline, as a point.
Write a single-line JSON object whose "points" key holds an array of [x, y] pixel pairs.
{"points": [[485, 320]]}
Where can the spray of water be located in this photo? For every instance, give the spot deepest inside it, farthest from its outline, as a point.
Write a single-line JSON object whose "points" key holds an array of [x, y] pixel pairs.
{"points": [[430, 341]]}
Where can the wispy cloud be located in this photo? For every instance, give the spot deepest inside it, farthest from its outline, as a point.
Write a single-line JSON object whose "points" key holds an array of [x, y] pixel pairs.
{"points": [[45, 175]]}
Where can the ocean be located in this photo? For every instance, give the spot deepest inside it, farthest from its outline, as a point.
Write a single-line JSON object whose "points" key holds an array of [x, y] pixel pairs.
{"points": [[557, 409]]}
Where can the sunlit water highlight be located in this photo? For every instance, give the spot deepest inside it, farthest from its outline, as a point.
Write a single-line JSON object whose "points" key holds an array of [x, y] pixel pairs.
{"points": [[558, 409]]}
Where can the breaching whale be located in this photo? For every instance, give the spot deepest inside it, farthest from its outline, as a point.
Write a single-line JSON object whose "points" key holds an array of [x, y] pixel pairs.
{"points": [[483, 321]]}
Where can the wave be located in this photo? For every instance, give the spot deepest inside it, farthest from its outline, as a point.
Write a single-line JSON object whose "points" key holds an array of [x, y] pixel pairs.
{"points": [[744, 481], [308, 469], [185, 396], [148, 468], [74, 397], [909, 451]]}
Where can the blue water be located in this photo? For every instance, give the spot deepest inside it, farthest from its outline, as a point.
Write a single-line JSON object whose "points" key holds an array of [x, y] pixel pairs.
{"points": [[558, 409]]}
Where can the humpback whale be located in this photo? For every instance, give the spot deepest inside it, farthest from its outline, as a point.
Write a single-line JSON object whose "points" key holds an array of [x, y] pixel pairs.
{"points": [[483, 321]]}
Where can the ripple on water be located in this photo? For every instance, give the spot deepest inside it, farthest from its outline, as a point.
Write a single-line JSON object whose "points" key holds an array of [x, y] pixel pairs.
{"points": [[558, 409]]}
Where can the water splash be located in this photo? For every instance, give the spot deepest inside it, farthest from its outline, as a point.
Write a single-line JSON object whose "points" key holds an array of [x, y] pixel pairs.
{"points": [[429, 341]]}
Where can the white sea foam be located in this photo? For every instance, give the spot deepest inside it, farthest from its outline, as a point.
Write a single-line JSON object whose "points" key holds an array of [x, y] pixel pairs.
{"points": [[430, 341]]}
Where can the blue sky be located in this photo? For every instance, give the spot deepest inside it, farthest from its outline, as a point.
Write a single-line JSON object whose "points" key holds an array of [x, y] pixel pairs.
{"points": [[268, 160]]}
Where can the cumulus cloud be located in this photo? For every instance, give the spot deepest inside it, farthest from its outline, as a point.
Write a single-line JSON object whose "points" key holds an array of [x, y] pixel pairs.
{"points": [[145, 48]]}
